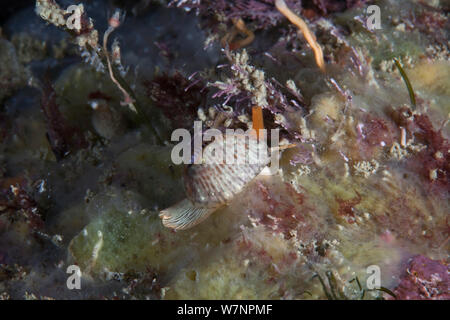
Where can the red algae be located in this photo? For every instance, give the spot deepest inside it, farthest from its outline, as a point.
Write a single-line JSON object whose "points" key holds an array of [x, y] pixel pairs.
{"points": [[424, 279], [177, 97], [63, 138], [346, 207], [17, 203]]}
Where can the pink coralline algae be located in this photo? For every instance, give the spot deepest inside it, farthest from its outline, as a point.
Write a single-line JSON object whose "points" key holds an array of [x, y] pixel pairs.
{"points": [[424, 279]]}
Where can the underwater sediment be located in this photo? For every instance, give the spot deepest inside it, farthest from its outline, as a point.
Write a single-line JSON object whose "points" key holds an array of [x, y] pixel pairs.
{"points": [[86, 167]]}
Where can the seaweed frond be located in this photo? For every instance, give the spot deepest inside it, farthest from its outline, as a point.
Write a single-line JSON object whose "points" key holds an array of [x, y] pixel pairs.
{"points": [[412, 97], [86, 37], [238, 27], [309, 36]]}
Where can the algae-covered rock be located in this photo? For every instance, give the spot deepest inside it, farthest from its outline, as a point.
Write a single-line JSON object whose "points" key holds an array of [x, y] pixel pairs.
{"points": [[13, 75], [244, 268], [125, 238], [363, 180], [29, 48]]}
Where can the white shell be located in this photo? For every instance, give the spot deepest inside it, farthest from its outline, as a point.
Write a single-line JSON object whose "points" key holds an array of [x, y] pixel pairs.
{"points": [[211, 184], [184, 215], [215, 182]]}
